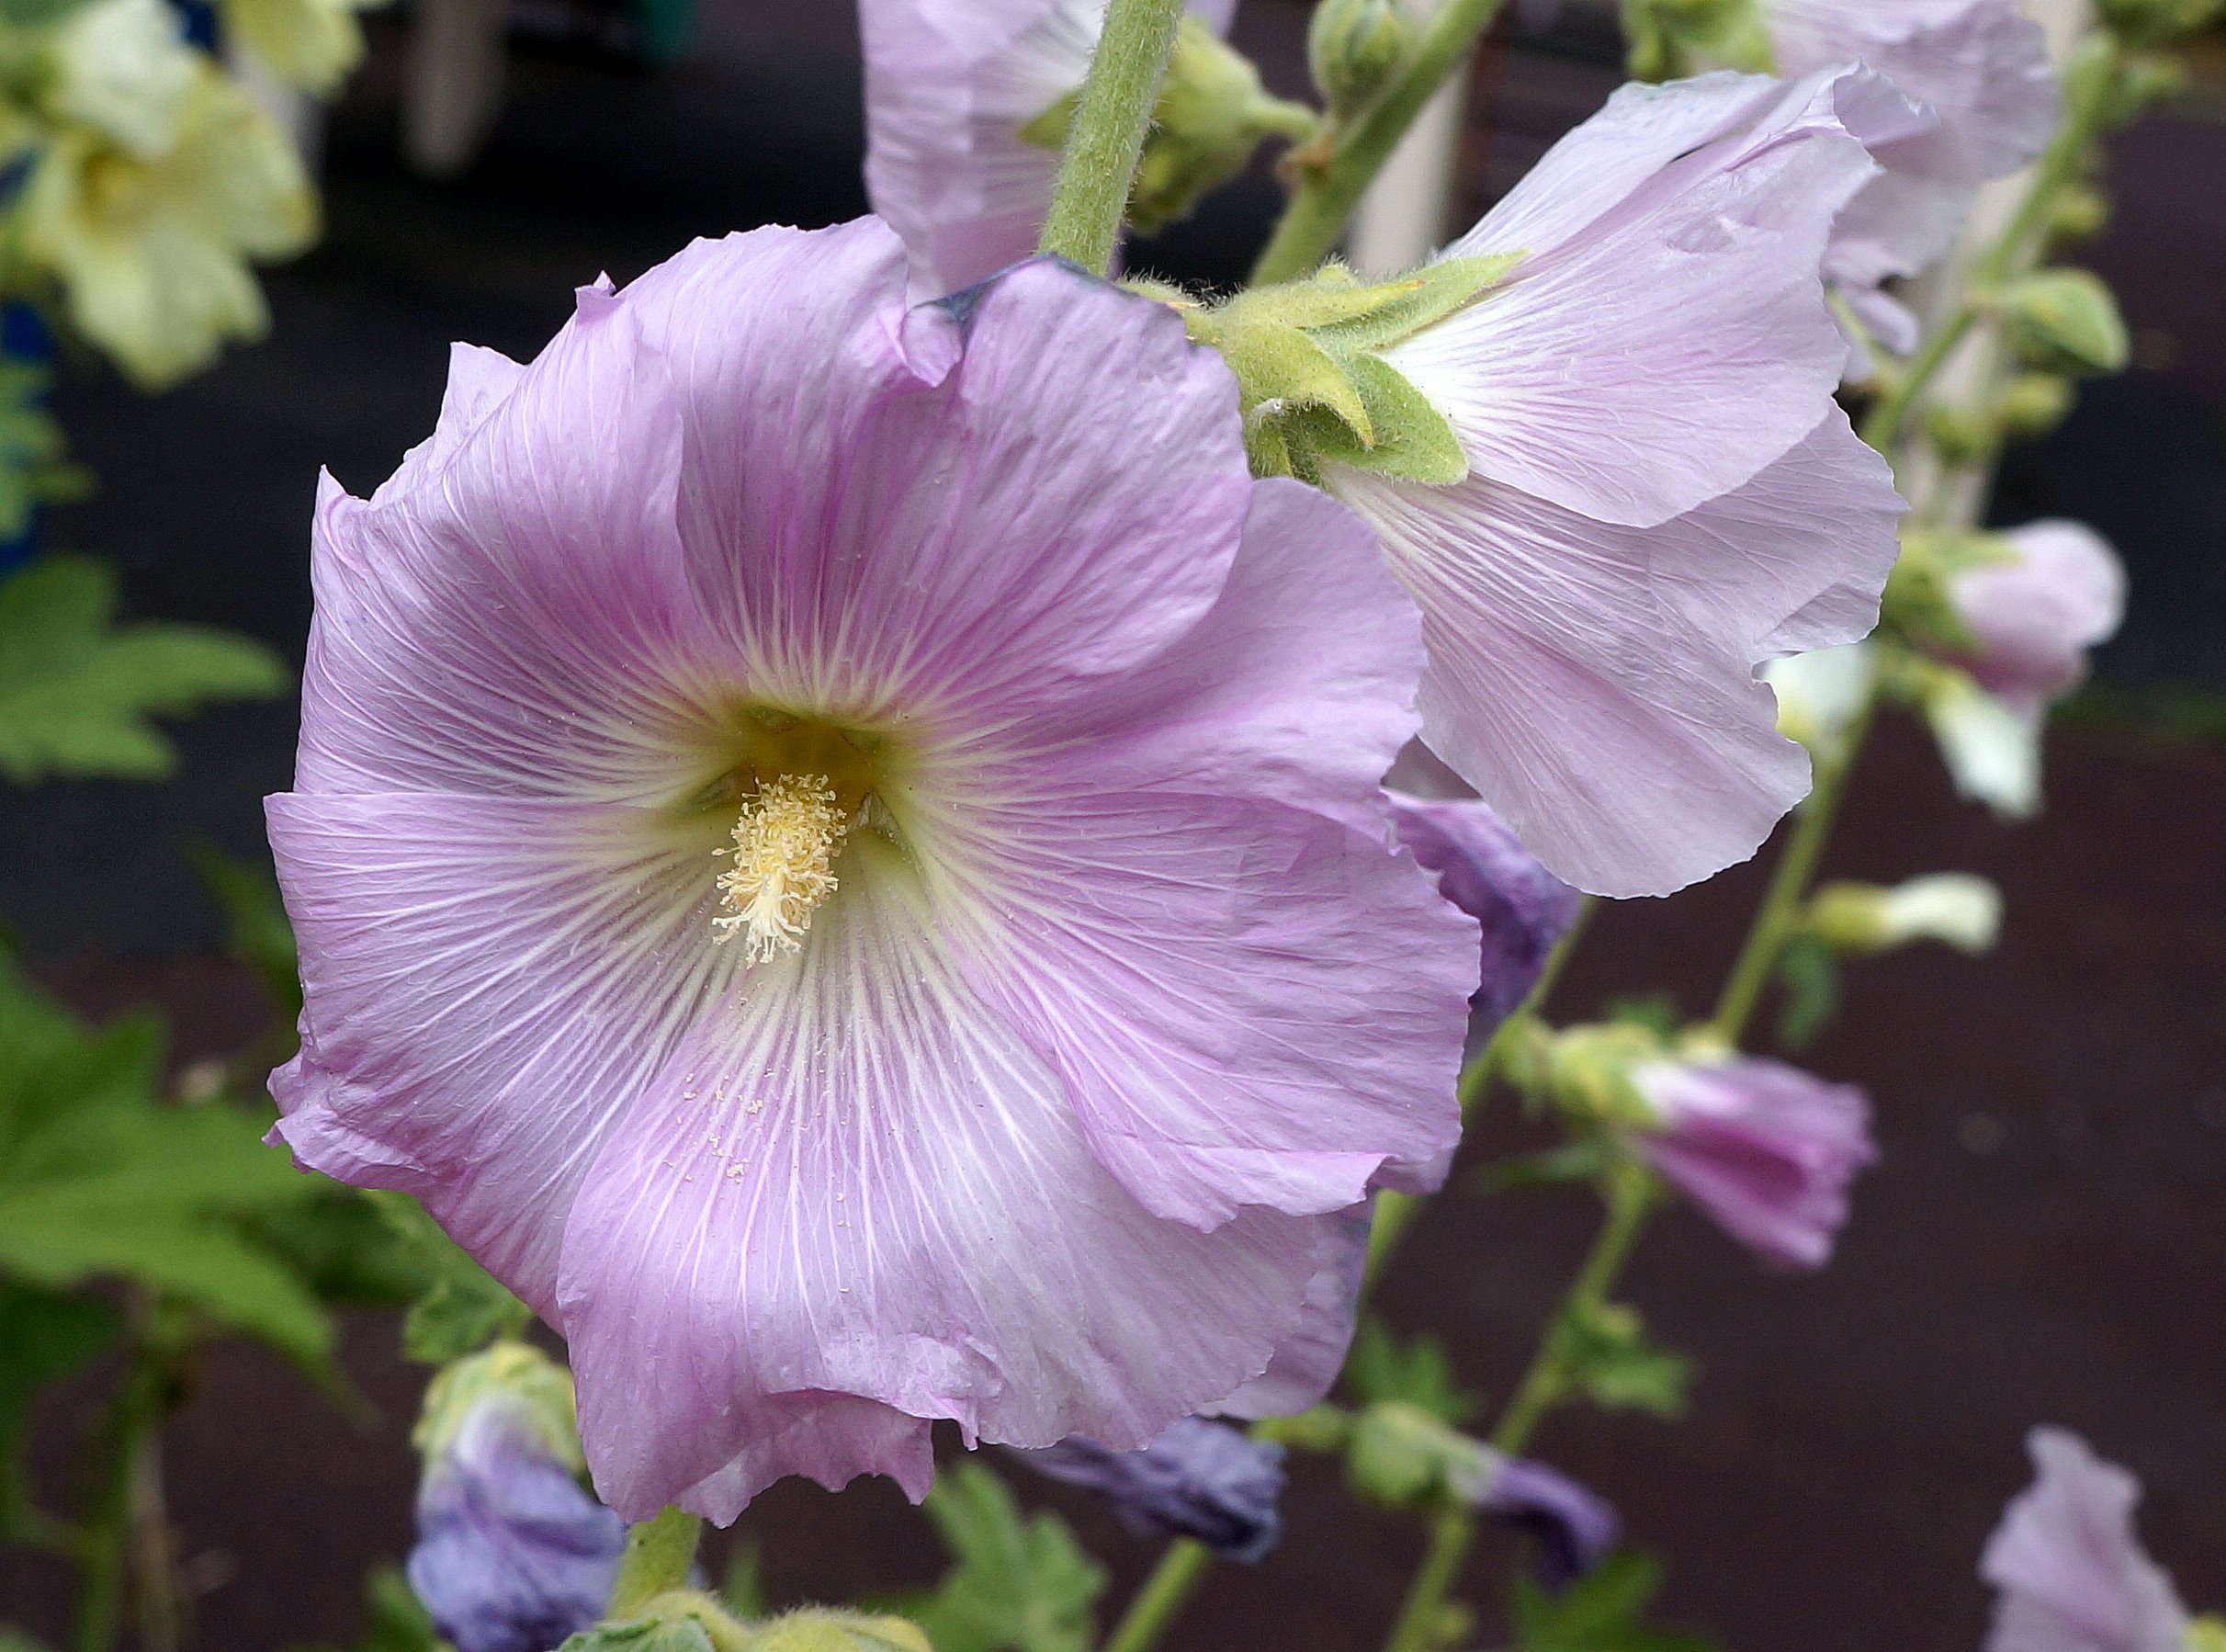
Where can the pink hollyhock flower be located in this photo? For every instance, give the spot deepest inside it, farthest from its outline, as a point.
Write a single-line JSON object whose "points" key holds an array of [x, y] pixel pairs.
{"points": [[949, 84], [2056, 590], [1662, 493], [837, 848], [1766, 1150], [2073, 1575], [1981, 67]]}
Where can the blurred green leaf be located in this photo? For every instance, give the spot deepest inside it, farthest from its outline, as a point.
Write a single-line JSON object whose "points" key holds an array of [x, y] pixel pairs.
{"points": [[97, 1179], [463, 1307], [1600, 1612], [1606, 1357], [1020, 1584], [394, 1620], [1657, 1011], [256, 931], [1420, 1372], [44, 1336], [76, 691], [33, 468]]}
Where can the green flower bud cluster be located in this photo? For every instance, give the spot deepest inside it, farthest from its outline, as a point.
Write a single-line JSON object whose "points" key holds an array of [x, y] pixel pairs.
{"points": [[1354, 48], [1669, 38], [1313, 383], [686, 1621], [1585, 1071], [1213, 112], [2064, 320]]}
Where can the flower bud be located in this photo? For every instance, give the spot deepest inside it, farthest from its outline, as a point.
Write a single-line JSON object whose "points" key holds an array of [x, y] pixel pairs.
{"points": [[1959, 435], [1201, 1479], [1402, 1455], [1765, 1149], [1992, 749], [1820, 695], [2080, 210], [816, 1630], [513, 1554], [1959, 908], [1353, 46], [2034, 403], [2065, 316], [1213, 113]]}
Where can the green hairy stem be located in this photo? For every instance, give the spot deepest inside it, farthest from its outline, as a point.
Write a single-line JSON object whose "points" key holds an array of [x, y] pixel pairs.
{"points": [[1106, 139], [659, 1552], [1327, 191]]}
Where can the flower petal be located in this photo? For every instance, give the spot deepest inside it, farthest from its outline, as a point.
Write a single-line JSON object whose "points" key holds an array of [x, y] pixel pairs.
{"points": [[490, 982], [1680, 343], [855, 1180], [546, 496], [1000, 551], [1308, 1362], [1596, 684]]}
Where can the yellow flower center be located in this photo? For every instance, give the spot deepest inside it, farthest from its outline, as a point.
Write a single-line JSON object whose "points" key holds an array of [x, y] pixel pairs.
{"points": [[784, 845]]}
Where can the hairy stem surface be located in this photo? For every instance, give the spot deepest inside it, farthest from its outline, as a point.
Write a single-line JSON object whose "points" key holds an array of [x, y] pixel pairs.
{"points": [[1106, 139]]}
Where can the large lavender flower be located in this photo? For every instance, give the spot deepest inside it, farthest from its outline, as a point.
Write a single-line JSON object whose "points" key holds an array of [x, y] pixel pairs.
{"points": [[837, 848], [949, 86], [511, 1555], [1980, 67], [1201, 1479], [2073, 1575], [1661, 493], [1766, 1150]]}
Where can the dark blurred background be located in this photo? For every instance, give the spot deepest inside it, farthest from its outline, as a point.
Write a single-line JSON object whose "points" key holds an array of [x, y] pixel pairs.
{"points": [[2040, 1243]]}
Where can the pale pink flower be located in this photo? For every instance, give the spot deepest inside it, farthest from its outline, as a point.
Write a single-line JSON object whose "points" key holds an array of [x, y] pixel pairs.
{"points": [[837, 848], [2071, 1573]]}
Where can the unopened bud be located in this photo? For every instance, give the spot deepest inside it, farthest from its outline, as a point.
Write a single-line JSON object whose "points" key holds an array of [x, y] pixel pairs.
{"points": [[2079, 211], [1959, 435], [1353, 46], [2065, 316], [2035, 404], [1213, 113], [2205, 1633], [1957, 909], [813, 1630], [534, 1386]]}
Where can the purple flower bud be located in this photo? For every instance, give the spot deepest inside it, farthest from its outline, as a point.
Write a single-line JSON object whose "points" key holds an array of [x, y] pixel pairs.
{"points": [[1199, 1479], [2073, 1575], [513, 1554], [2059, 592], [1572, 1527], [1766, 1150], [1484, 869]]}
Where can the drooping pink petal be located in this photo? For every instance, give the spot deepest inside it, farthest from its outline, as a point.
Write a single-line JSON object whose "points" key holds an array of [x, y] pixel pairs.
{"points": [[2071, 1570], [1307, 1361], [856, 1179], [1596, 684], [1483, 868], [1680, 341]]}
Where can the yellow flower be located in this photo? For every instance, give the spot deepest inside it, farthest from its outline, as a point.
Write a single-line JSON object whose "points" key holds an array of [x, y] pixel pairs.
{"points": [[153, 254], [308, 43]]}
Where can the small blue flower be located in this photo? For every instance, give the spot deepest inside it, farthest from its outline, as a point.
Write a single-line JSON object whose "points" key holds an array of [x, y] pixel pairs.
{"points": [[513, 1554], [1199, 1479], [1571, 1528]]}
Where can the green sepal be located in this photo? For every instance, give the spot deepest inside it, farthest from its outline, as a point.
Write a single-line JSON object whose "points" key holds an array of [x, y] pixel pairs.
{"points": [[1405, 307], [816, 1629], [1402, 1457], [2065, 317], [515, 1372], [1280, 363], [1605, 1354]]}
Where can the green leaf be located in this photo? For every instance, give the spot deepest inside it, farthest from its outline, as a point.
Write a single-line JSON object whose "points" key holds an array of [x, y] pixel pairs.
{"points": [[99, 1180], [1809, 973], [44, 1336], [32, 468], [343, 1248], [464, 1307], [1420, 1374], [1019, 1585], [76, 691], [1601, 1611], [1657, 1011], [1606, 1357], [256, 930]]}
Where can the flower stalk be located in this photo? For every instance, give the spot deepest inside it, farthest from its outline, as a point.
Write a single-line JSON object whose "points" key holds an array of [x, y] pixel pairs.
{"points": [[1331, 187], [1103, 145]]}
